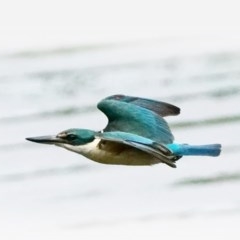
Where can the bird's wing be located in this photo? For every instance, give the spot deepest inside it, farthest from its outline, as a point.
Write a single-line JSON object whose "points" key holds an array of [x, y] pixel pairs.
{"points": [[126, 116], [161, 108], [146, 145]]}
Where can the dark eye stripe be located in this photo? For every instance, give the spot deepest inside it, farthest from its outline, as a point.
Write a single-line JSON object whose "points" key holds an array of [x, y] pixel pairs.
{"points": [[71, 137]]}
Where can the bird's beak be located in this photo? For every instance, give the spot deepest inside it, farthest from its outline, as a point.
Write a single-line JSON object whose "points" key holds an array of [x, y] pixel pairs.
{"points": [[47, 139]]}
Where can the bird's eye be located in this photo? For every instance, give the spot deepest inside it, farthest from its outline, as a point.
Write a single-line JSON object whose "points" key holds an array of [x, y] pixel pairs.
{"points": [[71, 137]]}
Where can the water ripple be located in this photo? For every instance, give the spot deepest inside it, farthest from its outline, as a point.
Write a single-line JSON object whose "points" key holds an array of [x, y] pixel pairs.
{"points": [[66, 111], [207, 122], [16, 177], [222, 177]]}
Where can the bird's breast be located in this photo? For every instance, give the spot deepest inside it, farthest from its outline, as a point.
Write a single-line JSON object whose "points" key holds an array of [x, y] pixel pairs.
{"points": [[113, 153]]}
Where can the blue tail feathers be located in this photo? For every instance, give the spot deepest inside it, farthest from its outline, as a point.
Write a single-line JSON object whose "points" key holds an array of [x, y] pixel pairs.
{"points": [[195, 150]]}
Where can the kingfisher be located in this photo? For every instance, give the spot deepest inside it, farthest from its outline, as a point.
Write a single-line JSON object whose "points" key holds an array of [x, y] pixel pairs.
{"points": [[136, 134]]}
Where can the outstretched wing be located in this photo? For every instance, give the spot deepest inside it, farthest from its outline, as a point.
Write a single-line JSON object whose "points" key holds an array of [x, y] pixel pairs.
{"points": [[129, 115], [146, 145], [161, 108]]}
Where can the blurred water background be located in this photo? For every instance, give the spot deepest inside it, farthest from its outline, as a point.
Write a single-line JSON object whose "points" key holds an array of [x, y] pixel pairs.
{"points": [[48, 192]]}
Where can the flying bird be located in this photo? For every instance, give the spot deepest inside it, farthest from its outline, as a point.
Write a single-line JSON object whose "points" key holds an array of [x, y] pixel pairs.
{"points": [[136, 134]]}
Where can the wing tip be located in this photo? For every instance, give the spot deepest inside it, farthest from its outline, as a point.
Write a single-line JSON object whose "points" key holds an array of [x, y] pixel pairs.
{"points": [[159, 107]]}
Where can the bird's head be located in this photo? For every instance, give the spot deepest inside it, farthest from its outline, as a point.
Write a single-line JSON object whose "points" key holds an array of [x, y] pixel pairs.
{"points": [[73, 137]]}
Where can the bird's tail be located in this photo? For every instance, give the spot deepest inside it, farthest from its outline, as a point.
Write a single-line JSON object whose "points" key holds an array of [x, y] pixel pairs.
{"points": [[212, 150]]}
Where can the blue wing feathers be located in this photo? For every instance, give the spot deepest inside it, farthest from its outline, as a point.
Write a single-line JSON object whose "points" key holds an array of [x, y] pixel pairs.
{"points": [[124, 136], [131, 118], [161, 108]]}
